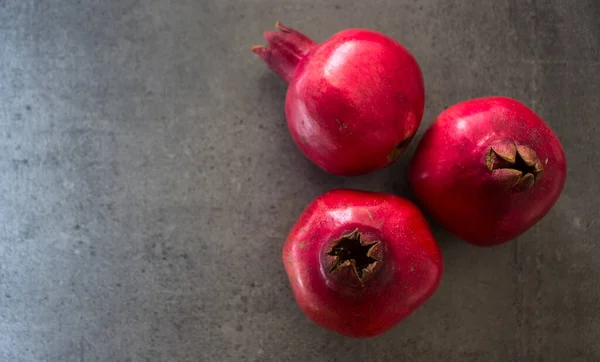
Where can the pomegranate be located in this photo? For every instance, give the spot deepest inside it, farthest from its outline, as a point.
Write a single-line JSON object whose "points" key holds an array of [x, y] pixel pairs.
{"points": [[359, 262], [354, 102], [488, 169]]}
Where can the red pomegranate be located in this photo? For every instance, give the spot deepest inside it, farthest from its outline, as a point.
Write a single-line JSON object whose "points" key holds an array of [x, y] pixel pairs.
{"points": [[354, 102], [359, 262], [488, 169]]}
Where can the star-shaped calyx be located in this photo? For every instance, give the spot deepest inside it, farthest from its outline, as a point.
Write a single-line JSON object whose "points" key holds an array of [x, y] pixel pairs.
{"points": [[350, 251], [514, 166]]}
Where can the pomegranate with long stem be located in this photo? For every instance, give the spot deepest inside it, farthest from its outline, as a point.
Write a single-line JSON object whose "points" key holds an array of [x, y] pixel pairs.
{"points": [[354, 102]]}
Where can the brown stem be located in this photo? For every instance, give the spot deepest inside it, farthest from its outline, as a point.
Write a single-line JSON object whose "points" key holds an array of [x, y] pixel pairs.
{"points": [[514, 166], [399, 149]]}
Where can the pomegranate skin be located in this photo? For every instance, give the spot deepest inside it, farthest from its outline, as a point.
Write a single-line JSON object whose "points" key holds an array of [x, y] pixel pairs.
{"points": [[488, 169], [405, 270], [354, 102]]}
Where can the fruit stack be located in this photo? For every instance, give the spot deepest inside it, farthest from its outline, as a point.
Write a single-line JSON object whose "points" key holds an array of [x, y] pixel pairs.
{"points": [[487, 170]]}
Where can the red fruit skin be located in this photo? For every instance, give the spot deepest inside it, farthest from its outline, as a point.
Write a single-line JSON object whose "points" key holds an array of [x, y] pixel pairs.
{"points": [[450, 179], [354, 102], [410, 272]]}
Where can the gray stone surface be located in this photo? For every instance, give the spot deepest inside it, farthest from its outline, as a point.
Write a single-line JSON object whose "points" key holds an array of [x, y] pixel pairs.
{"points": [[148, 182]]}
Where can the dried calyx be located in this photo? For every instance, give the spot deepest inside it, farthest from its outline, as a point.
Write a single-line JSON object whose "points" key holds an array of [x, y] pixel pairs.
{"points": [[514, 166], [351, 253]]}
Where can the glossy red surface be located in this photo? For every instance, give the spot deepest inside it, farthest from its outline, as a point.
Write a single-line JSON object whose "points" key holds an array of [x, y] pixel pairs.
{"points": [[409, 273], [449, 175], [354, 102]]}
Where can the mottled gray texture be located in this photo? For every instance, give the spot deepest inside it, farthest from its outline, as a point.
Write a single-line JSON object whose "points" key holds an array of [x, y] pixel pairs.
{"points": [[148, 182]]}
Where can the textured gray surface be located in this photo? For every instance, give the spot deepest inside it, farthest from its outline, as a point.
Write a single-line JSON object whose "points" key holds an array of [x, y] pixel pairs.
{"points": [[148, 182]]}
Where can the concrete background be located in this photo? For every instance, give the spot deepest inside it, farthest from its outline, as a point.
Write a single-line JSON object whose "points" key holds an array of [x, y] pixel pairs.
{"points": [[147, 182]]}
